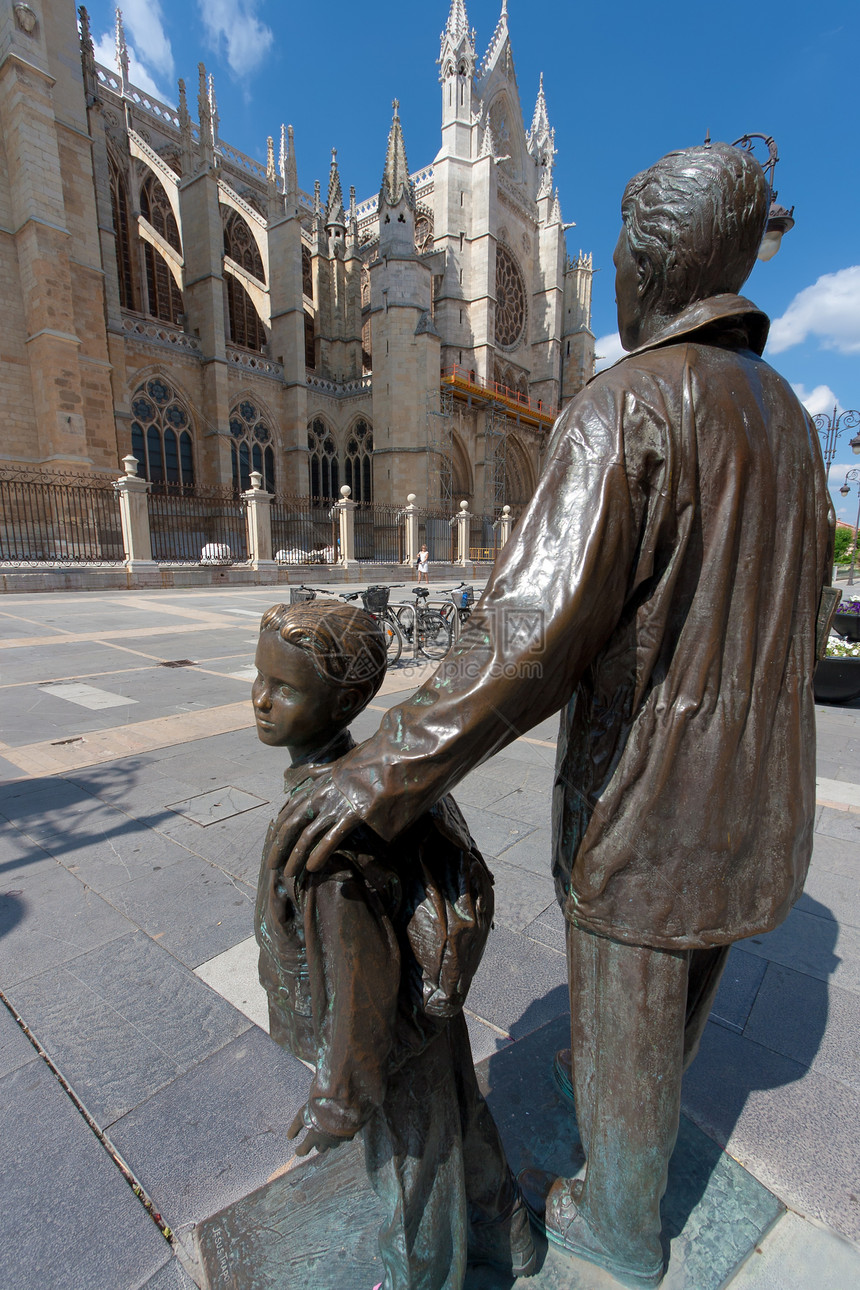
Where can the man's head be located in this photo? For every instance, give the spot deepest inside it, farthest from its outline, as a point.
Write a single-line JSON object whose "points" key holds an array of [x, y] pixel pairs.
{"points": [[692, 227], [319, 663]]}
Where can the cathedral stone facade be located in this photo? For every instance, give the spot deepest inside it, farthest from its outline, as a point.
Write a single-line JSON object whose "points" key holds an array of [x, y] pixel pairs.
{"points": [[167, 296]]}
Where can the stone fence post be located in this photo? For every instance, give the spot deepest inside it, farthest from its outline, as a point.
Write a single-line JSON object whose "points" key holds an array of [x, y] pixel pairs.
{"points": [[505, 526], [258, 519], [346, 516], [410, 515], [134, 516], [464, 522]]}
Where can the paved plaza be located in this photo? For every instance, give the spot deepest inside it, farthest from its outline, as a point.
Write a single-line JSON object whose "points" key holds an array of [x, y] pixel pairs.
{"points": [[133, 804]]}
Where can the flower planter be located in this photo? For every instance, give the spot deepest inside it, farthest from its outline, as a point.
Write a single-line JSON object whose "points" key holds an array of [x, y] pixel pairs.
{"points": [[847, 625], [837, 680]]}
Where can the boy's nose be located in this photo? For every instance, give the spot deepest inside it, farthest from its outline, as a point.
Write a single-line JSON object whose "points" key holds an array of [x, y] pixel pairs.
{"points": [[261, 698]]}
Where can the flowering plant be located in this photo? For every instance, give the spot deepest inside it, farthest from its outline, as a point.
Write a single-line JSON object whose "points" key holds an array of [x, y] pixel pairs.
{"points": [[838, 648], [848, 607]]}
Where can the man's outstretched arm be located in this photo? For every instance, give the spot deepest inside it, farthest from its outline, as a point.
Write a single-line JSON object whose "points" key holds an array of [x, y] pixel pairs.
{"points": [[556, 593]]}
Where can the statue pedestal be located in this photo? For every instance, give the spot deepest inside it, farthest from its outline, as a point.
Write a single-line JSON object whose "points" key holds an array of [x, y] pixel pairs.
{"points": [[315, 1226]]}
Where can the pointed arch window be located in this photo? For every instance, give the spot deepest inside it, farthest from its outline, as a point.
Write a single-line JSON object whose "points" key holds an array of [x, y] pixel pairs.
{"points": [[122, 234], [239, 244], [161, 434], [246, 328], [310, 343], [307, 274], [324, 471], [165, 298], [358, 466], [252, 446]]}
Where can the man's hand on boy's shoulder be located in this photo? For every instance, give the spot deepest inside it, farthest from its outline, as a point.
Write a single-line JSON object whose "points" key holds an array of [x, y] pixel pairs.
{"points": [[313, 824], [314, 1139]]}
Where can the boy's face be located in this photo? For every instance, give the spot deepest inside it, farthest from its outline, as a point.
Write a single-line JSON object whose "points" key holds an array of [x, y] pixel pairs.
{"points": [[293, 705]]}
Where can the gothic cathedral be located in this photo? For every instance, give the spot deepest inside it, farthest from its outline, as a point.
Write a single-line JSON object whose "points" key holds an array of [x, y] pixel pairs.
{"points": [[167, 296]]}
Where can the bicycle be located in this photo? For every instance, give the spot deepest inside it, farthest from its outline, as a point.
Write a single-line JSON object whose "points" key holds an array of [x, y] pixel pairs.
{"points": [[375, 601], [427, 627], [462, 600]]}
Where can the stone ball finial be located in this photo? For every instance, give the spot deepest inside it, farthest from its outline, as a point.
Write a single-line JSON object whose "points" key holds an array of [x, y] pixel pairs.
{"points": [[506, 510], [464, 506], [410, 499], [131, 463], [345, 491]]}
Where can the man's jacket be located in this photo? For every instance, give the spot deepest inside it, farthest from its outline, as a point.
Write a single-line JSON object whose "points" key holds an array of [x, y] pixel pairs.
{"points": [[661, 588]]}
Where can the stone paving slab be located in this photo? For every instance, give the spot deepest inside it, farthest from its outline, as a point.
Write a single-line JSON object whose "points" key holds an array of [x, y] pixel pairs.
{"points": [[123, 1021], [70, 1220], [218, 1132]]}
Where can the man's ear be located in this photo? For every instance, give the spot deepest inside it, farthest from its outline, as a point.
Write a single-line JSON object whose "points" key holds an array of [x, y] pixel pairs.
{"points": [[644, 276]]}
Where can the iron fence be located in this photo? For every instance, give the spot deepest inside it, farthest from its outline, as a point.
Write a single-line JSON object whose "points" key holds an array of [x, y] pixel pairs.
{"points": [[484, 538], [304, 530], [380, 533], [190, 525], [61, 519], [436, 530]]}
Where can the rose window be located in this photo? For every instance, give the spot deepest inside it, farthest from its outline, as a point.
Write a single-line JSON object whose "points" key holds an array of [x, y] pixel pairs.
{"points": [[510, 299]]}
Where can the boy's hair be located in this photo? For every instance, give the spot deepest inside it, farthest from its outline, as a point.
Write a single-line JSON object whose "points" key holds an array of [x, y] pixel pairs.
{"points": [[346, 644]]}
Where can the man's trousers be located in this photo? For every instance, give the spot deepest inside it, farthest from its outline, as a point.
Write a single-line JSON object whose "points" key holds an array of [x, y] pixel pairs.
{"points": [[637, 1016]]}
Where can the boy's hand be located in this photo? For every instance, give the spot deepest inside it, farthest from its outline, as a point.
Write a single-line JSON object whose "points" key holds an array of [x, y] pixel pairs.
{"points": [[314, 1139], [314, 824]]}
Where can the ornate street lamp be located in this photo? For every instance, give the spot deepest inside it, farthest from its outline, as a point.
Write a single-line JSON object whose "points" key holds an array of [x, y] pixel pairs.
{"points": [[830, 428], [854, 477], [779, 219]]}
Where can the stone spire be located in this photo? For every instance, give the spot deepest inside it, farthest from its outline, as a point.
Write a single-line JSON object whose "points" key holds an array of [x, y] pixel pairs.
{"points": [[541, 143], [488, 144], [88, 58], [289, 171], [204, 116], [213, 109], [458, 42], [121, 52], [335, 216], [396, 183], [458, 21], [186, 139]]}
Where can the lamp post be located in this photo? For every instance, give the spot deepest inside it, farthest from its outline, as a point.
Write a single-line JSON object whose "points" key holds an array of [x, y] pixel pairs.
{"points": [[853, 477], [779, 219], [830, 428]]}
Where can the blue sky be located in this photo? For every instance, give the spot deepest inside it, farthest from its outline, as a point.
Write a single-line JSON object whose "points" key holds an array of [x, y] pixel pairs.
{"points": [[624, 83]]}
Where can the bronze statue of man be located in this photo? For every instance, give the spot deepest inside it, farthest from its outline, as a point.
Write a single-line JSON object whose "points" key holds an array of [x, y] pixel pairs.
{"points": [[675, 552]]}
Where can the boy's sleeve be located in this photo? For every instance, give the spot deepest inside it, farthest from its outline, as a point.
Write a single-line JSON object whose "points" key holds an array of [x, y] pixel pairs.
{"points": [[354, 969]]}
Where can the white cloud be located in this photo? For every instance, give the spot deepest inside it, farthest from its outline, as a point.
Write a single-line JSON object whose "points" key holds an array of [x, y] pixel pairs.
{"points": [[830, 308], [607, 350], [234, 25], [821, 399], [144, 23], [105, 52]]}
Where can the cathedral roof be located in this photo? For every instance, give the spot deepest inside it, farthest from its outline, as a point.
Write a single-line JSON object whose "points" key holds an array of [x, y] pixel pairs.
{"points": [[396, 183]]}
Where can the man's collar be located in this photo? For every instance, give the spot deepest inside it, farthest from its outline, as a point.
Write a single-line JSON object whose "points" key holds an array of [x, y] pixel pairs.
{"points": [[703, 314]]}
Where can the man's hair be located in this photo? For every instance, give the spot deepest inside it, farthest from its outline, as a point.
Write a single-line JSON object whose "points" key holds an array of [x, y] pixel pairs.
{"points": [[346, 644], [694, 223]]}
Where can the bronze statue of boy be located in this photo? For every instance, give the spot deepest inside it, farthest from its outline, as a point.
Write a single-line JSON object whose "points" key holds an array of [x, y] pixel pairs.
{"points": [[676, 549], [366, 964]]}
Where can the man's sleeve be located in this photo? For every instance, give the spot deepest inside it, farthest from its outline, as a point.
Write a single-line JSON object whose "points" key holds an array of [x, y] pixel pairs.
{"points": [[557, 591], [354, 969]]}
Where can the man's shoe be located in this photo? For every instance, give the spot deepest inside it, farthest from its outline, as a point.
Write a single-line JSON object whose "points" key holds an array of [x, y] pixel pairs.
{"points": [[552, 1204], [562, 1069], [505, 1243]]}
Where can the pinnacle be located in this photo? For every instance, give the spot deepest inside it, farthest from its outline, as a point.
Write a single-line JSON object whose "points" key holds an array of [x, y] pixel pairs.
{"points": [[395, 177], [458, 22], [334, 212]]}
